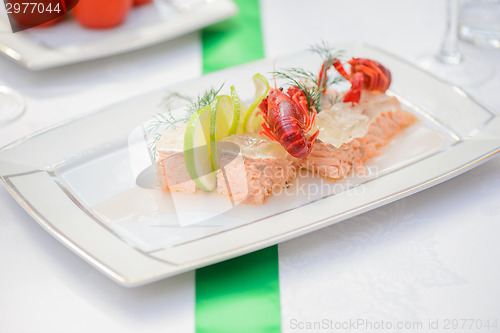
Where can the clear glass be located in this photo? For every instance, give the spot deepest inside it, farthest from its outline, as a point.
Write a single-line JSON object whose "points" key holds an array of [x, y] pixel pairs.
{"points": [[12, 105], [449, 52], [479, 23], [449, 63]]}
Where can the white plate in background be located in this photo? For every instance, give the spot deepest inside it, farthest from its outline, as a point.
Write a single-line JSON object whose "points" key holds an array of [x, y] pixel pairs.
{"points": [[67, 42]]}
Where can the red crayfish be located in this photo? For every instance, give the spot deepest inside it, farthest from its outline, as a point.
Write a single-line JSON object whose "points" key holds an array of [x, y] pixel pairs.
{"points": [[365, 74], [287, 120]]}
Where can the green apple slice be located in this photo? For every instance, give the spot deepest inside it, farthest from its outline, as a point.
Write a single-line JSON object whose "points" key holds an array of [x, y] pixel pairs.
{"points": [[197, 150], [254, 122], [222, 118], [239, 107]]}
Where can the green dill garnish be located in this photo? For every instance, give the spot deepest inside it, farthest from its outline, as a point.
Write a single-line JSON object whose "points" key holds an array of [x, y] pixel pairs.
{"points": [[308, 81], [329, 56], [157, 125], [327, 53], [311, 91], [203, 100], [335, 100], [167, 120], [301, 73], [194, 103]]}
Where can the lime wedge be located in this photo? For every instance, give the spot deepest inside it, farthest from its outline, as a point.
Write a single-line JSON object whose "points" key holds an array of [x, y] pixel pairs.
{"points": [[252, 119], [197, 150]]}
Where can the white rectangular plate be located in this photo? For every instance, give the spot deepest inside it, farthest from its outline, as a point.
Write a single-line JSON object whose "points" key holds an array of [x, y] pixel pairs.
{"points": [[84, 187], [67, 42]]}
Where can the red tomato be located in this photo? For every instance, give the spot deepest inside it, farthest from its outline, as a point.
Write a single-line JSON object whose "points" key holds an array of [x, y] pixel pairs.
{"points": [[141, 2], [101, 14]]}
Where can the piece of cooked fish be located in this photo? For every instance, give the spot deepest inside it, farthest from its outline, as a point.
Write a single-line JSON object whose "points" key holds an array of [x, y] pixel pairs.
{"points": [[351, 135], [170, 167], [252, 166]]}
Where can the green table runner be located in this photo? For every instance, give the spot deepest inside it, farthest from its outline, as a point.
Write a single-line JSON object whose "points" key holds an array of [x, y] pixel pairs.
{"points": [[242, 294]]}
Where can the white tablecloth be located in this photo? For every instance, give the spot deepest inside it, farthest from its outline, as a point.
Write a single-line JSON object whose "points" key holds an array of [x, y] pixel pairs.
{"points": [[430, 257]]}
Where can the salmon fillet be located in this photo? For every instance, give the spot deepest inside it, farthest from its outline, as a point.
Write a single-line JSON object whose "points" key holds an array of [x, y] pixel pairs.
{"points": [[251, 166], [172, 173], [384, 119], [170, 168], [251, 174]]}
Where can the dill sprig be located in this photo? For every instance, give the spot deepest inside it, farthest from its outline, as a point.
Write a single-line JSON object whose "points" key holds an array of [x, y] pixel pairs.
{"points": [[166, 120], [306, 75], [301, 73], [194, 104], [335, 100], [327, 53], [307, 81], [157, 125], [329, 56], [311, 91], [203, 100]]}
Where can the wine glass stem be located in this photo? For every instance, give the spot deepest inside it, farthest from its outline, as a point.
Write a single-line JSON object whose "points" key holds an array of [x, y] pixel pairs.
{"points": [[449, 53]]}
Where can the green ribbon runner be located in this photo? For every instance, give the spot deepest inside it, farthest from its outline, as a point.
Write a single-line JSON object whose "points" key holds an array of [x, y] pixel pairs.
{"points": [[239, 295], [235, 41], [242, 294]]}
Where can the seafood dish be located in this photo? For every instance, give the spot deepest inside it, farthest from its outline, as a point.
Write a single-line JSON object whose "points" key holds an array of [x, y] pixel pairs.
{"points": [[247, 152]]}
